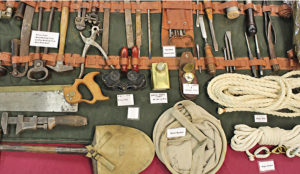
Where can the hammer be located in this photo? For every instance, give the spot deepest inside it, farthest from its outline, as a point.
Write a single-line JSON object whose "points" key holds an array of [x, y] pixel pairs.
{"points": [[60, 67]]}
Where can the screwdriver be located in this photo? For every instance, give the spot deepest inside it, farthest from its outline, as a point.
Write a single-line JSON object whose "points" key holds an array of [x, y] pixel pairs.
{"points": [[251, 25], [260, 68], [209, 14], [253, 69], [208, 53]]}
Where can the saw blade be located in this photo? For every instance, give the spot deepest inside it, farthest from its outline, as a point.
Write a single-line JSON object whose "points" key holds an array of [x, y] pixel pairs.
{"points": [[35, 98]]}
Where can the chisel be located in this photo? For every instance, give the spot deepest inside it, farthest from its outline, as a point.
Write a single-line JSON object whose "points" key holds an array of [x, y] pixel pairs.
{"points": [[208, 53], [211, 25]]}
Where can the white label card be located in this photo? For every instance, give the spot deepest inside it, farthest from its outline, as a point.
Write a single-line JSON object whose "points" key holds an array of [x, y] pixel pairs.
{"points": [[169, 51], [265, 166], [125, 99], [133, 113], [191, 88], [176, 132], [44, 39], [260, 118], [158, 98]]}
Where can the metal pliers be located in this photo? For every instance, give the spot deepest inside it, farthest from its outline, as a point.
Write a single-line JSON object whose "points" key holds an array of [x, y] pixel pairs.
{"points": [[91, 42]]}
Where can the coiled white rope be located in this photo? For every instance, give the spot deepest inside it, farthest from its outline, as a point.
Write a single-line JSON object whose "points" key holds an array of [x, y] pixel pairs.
{"points": [[269, 94], [246, 138]]}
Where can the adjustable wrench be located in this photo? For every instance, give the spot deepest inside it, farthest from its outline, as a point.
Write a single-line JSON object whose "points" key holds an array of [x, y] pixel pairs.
{"points": [[80, 19]]}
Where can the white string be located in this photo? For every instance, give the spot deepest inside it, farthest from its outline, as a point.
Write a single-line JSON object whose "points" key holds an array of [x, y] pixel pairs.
{"points": [[269, 94], [246, 138]]}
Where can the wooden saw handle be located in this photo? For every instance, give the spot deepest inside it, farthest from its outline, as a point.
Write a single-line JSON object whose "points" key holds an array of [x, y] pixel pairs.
{"points": [[73, 96]]}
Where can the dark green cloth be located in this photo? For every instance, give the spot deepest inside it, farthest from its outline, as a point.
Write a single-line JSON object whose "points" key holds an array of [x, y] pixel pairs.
{"points": [[107, 112]]}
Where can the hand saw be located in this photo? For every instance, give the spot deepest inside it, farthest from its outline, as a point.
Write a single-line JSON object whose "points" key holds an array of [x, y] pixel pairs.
{"points": [[49, 98]]}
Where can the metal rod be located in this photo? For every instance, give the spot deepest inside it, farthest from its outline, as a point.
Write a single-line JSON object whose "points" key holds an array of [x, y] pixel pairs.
{"points": [[149, 33]]}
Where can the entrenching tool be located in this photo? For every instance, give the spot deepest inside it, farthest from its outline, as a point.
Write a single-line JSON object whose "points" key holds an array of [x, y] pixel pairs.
{"points": [[269, 31], [91, 42], [60, 67], [38, 72], [32, 123], [128, 24], [115, 149], [208, 53], [250, 25], [49, 98], [253, 69], [209, 14], [229, 49]]}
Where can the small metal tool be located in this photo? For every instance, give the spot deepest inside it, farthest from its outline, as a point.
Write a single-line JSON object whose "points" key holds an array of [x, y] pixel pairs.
{"points": [[80, 19], [269, 32], [197, 18], [105, 27], [91, 42], [32, 123], [260, 68], [198, 57], [128, 25], [226, 58], [149, 33], [211, 25], [138, 27], [38, 72], [229, 49], [253, 69], [208, 53]]}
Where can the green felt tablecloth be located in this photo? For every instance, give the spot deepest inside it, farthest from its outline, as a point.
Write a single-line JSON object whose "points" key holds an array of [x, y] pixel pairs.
{"points": [[107, 112]]}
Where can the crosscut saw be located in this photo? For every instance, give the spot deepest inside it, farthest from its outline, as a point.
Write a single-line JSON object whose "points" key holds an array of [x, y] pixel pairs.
{"points": [[49, 98]]}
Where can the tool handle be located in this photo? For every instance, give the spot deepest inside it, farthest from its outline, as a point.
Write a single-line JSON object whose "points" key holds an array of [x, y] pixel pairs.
{"points": [[73, 96], [124, 59], [19, 15], [251, 25], [63, 29], [70, 120], [44, 149], [210, 59], [208, 9], [134, 58]]}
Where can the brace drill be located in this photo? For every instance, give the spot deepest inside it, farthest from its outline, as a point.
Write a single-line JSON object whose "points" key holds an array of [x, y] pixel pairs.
{"points": [[91, 42]]}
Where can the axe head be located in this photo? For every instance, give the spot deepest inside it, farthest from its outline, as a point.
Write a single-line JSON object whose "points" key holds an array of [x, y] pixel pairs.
{"points": [[127, 149], [60, 67]]}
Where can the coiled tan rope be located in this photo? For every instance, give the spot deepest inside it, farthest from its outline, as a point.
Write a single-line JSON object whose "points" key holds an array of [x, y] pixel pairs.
{"points": [[269, 94], [246, 137]]}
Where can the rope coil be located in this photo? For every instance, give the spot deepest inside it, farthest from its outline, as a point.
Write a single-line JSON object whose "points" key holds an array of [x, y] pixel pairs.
{"points": [[246, 137], [270, 94]]}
